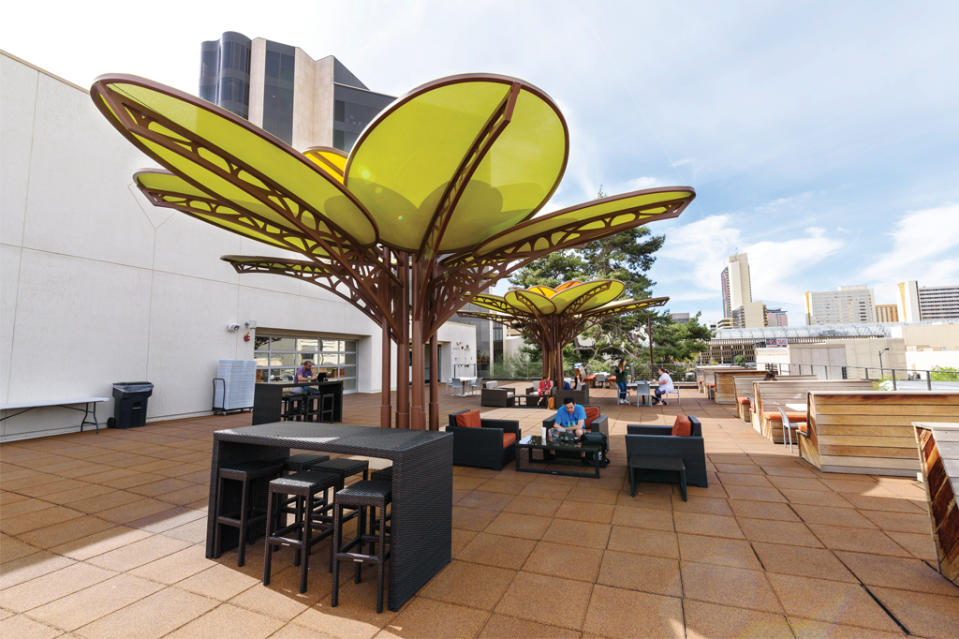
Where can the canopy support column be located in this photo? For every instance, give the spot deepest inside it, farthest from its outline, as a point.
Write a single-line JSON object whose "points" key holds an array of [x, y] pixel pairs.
{"points": [[434, 383]]}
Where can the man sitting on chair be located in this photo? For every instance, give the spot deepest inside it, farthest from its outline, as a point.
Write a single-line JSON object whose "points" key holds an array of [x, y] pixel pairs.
{"points": [[665, 386], [570, 418]]}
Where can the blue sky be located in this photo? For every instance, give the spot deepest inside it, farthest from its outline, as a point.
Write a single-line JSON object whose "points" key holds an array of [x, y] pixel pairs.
{"points": [[822, 138]]}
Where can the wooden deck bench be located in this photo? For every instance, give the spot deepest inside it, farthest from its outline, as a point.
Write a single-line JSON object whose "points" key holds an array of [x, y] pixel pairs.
{"points": [[89, 409], [871, 432], [771, 396]]}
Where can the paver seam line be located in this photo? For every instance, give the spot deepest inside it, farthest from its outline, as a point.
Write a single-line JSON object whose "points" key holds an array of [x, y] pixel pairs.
{"points": [[870, 593]]}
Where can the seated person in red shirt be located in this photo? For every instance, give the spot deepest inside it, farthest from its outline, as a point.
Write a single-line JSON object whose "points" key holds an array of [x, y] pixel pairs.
{"points": [[545, 387]]}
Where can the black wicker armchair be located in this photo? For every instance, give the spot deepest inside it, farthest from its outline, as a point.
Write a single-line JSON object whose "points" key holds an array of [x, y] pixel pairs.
{"points": [[659, 441], [493, 445], [497, 397], [599, 424]]}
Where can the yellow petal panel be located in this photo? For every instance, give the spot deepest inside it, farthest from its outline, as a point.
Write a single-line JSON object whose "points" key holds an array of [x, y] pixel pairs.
{"points": [[530, 302], [599, 292]]}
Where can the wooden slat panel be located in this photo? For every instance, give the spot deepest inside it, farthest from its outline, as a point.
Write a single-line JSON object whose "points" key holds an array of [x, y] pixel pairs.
{"points": [[902, 398], [889, 442], [869, 451], [871, 431], [911, 410], [903, 421], [867, 462]]}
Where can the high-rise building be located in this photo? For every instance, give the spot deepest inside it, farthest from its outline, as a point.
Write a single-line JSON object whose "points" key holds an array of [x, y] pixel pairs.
{"points": [[776, 317], [749, 315], [887, 313], [680, 318], [737, 290], [280, 88], [928, 302], [848, 305]]}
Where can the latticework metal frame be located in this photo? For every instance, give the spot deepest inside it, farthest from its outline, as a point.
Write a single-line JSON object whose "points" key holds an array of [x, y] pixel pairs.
{"points": [[437, 201], [534, 313]]}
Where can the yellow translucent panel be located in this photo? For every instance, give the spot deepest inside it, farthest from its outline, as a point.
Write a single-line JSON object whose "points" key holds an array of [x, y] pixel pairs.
{"points": [[627, 306], [329, 160], [614, 289], [248, 149], [545, 291], [530, 302], [566, 285], [492, 302], [586, 213], [515, 177], [400, 168]]}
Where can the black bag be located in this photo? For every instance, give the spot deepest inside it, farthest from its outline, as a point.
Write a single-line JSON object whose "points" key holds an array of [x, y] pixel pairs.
{"points": [[597, 439]]}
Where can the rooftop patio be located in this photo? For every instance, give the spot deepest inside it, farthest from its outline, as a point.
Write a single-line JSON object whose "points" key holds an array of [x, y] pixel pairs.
{"points": [[103, 536]]}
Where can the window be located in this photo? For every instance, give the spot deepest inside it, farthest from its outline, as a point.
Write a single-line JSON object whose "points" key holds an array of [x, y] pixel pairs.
{"points": [[339, 108], [278, 357]]}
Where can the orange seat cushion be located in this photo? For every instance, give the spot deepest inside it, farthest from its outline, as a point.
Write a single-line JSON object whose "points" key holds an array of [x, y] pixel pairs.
{"points": [[592, 412], [470, 419], [742, 400], [712, 384], [803, 427], [682, 427], [773, 415], [509, 439]]}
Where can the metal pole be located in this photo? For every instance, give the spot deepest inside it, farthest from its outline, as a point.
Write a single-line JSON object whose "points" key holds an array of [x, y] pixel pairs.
{"points": [[649, 334], [385, 392], [403, 347], [434, 383]]}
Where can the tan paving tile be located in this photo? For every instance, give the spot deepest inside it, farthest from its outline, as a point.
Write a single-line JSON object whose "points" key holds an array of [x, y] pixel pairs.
{"points": [[578, 533], [762, 510], [105, 501], [712, 525], [51, 586], [901, 522], [924, 614], [728, 586], [548, 558], [12, 548], [282, 598], [707, 505], [461, 537], [848, 517], [502, 627], [658, 543], [641, 572], [21, 627], [506, 486], [517, 525], [142, 507], [150, 617], [801, 561], [30, 566], [896, 572], [37, 519], [525, 505], [61, 533], [857, 540], [228, 621], [193, 532], [831, 601], [485, 500], [496, 550], [434, 620], [356, 615], [138, 553], [176, 566], [881, 502], [717, 550], [713, 621], [553, 490], [533, 597], [22, 507], [91, 603], [222, 582], [582, 511], [920, 545], [755, 493], [744, 479], [619, 613], [811, 629], [469, 584], [590, 492], [800, 495], [471, 518], [780, 532], [738, 468], [652, 518]]}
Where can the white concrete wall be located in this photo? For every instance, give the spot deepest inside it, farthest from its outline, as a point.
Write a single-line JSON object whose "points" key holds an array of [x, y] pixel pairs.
{"points": [[928, 360], [97, 286]]}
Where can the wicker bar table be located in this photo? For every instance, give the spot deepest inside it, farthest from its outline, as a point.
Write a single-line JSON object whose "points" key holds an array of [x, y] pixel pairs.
{"points": [[422, 515]]}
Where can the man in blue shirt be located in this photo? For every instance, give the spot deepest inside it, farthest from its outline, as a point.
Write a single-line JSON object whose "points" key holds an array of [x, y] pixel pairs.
{"points": [[571, 417]]}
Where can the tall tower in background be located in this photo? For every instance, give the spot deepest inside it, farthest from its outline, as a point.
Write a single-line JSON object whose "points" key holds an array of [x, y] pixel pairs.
{"points": [[928, 302], [737, 290], [280, 88], [848, 305]]}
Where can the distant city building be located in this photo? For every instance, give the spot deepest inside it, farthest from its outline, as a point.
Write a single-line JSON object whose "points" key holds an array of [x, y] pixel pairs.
{"points": [[280, 88], [680, 318], [928, 302], [887, 313], [776, 317], [848, 305], [749, 315], [726, 322], [736, 287]]}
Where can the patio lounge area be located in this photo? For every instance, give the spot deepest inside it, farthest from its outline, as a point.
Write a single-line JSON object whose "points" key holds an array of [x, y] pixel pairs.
{"points": [[103, 536]]}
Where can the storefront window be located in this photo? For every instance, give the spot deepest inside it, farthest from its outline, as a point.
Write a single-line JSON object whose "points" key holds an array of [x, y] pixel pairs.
{"points": [[277, 358]]}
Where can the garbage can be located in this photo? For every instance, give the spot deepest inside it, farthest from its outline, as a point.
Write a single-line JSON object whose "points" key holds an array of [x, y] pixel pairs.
{"points": [[130, 407]]}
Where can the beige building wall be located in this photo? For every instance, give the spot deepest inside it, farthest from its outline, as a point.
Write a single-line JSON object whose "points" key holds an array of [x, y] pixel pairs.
{"points": [[887, 313]]}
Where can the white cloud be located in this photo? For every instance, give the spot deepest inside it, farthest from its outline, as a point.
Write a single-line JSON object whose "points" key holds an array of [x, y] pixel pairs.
{"points": [[924, 245], [775, 264], [644, 182], [704, 245]]}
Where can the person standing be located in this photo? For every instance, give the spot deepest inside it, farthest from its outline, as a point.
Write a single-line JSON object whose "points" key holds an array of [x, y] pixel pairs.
{"points": [[621, 381], [665, 386]]}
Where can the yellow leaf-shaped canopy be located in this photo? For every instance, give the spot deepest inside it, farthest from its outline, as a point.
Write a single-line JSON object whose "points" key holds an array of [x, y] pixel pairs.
{"points": [[458, 160], [331, 161], [171, 191], [229, 158], [573, 297]]}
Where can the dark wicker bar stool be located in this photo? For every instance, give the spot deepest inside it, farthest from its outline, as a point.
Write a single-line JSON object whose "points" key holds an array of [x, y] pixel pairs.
{"points": [[366, 496], [294, 407], [311, 490], [246, 473], [383, 474], [344, 466], [327, 407], [303, 461]]}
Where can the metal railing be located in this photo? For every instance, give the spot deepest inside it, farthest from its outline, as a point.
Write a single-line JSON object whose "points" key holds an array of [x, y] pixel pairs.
{"points": [[907, 379]]}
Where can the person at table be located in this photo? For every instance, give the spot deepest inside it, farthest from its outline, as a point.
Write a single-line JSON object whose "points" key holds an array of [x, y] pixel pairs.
{"points": [[545, 388], [621, 381], [665, 386], [579, 383], [305, 373], [570, 418]]}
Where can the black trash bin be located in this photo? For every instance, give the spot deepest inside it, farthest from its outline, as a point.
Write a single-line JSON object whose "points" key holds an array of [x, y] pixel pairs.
{"points": [[130, 407]]}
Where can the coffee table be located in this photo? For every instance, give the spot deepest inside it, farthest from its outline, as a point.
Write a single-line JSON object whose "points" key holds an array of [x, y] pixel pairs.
{"points": [[549, 463]]}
